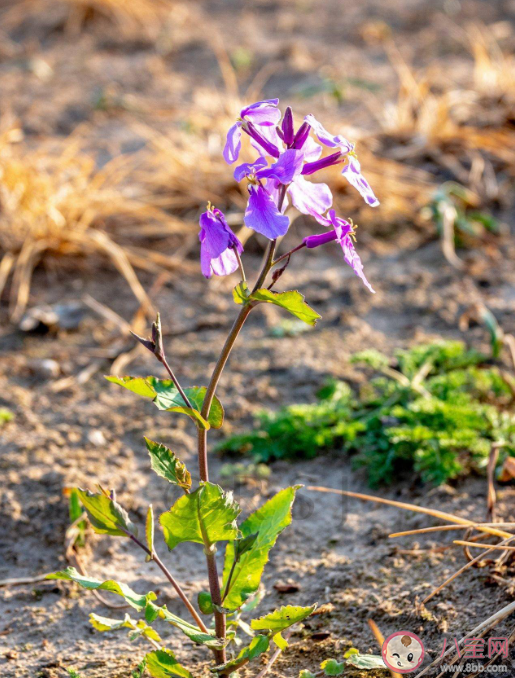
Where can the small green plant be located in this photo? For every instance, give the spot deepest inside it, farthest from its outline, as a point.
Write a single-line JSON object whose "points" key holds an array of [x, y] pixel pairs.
{"points": [[434, 410], [352, 658], [205, 514]]}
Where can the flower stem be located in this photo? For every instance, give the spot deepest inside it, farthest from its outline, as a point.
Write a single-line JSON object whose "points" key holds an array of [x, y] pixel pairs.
{"points": [[172, 581], [288, 254], [175, 381], [214, 582]]}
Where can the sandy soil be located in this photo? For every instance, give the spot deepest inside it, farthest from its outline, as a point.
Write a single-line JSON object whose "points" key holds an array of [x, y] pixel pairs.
{"points": [[336, 551]]}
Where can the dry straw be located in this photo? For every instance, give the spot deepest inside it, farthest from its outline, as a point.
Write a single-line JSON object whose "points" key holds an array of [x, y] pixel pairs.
{"points": [[55, 202]]}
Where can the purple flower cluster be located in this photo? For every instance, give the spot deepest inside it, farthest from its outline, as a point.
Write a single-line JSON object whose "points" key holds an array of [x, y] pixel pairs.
{"points": [[285, 158]]}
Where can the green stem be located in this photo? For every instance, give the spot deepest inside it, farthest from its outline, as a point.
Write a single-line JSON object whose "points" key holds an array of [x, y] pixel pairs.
{"points": [[214, 582], [172, 581]]}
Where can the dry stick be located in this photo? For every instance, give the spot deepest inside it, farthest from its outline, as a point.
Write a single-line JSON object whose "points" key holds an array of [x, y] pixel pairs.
{"points": [[380, 640], [445, 528], [491, 497], [273, 659], [462, 569], [481, 629], [495, 547], [416, 509]]}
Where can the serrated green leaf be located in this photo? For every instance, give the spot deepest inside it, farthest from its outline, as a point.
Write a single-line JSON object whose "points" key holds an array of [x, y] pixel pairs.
{"points": [[135, 600], [280, 641], [281, 619], [205, 516], [332, 668], [291, 301], [149, 531], [163, 664], [166, 397], [166, 464], [105, 514], [106, 624], [267, 523], [366, 661], [350, 652], [241, 293], [138, 627], [193, 632], [205, 602], [138, 385], [257, 646]]}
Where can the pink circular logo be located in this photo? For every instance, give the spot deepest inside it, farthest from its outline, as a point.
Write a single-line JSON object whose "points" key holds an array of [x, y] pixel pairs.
{"points": [[403, 652]]}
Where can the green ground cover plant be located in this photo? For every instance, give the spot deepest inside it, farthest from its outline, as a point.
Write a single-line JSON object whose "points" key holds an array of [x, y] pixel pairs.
{"points": [[434, 410]]}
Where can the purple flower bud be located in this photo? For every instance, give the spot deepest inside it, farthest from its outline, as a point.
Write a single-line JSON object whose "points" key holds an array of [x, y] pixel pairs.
{"points": [[312, 167], [319, 239], [287, 127], [301, 136], [279, 133], [264, 143], [218, 245]]}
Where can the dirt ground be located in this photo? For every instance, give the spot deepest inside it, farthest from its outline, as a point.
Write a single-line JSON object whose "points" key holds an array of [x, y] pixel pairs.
{"points": [[336, 551]]}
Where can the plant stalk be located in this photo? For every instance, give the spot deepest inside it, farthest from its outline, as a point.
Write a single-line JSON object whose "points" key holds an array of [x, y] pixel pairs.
{"points": [[214, 582], [172, 581]]}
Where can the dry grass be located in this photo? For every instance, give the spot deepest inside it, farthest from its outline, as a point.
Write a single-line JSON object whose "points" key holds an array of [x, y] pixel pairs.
{"points": [[57, 203], [452, 128], [128, 16]]}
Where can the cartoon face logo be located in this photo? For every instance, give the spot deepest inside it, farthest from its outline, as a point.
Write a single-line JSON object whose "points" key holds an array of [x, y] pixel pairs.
{"points": [[403, 652]]}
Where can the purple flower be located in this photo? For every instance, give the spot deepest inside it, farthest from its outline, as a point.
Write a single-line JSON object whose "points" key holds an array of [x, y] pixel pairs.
{"points": [[218, 245], [352, 172], [249, 168], [287, 167], [342, 233], [262, 113], [327, 138], [262, 214], [308, 198]]}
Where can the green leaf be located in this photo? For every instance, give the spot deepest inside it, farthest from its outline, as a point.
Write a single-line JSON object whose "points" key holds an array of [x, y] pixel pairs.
{"points": [[149, 531], [166, 464], [332, 668], [267, 523], [292, 301], [138, 385], [205, 602], [166, 397], [258, 645], [138, 627], [162, 664], [193, 632], [135, 600], [306, 674], [281, 642], [281, 619], [205, 516], [241, 293], [366, 661], [105, 514]]}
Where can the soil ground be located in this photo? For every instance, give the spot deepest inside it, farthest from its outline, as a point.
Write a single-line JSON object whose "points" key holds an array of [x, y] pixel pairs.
{"points": [[336, 551]]}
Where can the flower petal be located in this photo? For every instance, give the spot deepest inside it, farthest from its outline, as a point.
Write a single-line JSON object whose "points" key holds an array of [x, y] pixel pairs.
{"points": [[262, 214], [285, 169], [327, 138], [233, 144], [225, 264], [352, 172], [312, 151], [352, 258], [308, 198], [247, 168], [263, 113], [270, 134], [217, 245]]}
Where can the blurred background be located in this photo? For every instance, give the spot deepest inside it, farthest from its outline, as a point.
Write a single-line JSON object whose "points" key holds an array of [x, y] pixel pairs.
{"points": [[113, 115]]}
